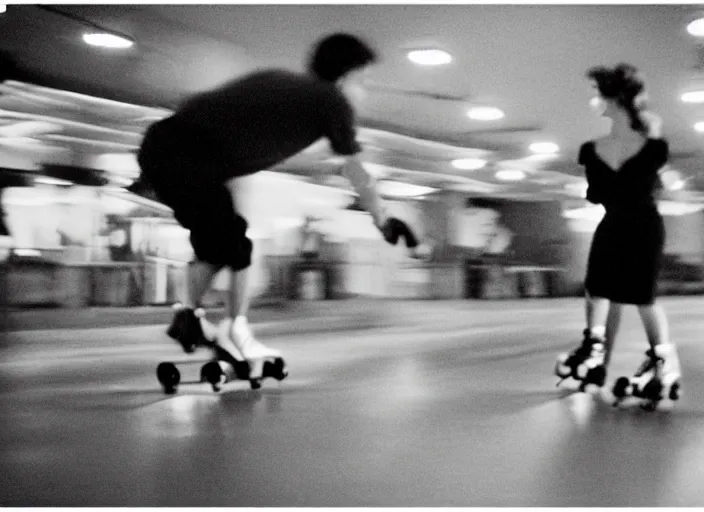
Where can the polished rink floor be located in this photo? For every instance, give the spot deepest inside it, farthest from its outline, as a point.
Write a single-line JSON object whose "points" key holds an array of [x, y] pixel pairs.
{"points": [[388, 404]]}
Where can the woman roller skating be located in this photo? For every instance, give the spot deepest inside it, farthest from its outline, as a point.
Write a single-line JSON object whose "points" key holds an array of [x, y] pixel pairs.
{"points": [[626, 252]]}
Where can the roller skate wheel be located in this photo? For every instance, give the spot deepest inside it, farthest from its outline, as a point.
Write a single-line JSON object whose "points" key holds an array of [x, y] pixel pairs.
{"points": [[621, 387], [561, 370], [596, 375], [562, 358], [674, 393], [652, 390], [280, 372], [212, 373], [168, 376]]}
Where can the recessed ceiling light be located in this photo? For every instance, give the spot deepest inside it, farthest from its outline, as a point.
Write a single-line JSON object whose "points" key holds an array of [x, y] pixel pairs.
{"points": [[696, 27], [693, 97], [507, 175], [468, 164], [430, 57], [544, 148], [699, 127], [106, 40], [485, 113]]}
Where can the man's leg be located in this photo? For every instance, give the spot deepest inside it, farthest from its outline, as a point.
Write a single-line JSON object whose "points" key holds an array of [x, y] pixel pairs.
{"points": [[189, 326], [200, 275], [235, 334], [238, 300], [238, 294]]}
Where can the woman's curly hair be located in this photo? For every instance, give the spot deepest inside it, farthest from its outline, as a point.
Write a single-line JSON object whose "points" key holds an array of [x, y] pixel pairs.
{"points": [[625, 85]]}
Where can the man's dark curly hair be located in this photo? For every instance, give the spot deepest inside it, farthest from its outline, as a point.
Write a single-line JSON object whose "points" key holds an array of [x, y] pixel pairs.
{"points": [[338, 54]]}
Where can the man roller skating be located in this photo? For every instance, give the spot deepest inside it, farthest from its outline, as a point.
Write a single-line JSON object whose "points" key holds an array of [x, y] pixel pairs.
{"points": [[194, 160]]}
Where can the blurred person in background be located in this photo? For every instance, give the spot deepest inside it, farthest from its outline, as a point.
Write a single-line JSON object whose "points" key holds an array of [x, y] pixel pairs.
{"points": [[5, 238], [627, 248], [195, 159]]}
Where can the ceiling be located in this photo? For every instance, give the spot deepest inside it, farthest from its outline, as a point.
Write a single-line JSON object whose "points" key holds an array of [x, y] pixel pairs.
{"points": [[528, 60]]}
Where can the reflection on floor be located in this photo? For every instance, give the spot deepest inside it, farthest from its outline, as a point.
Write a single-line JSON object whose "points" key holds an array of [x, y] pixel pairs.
{"points": [[443, 403]]}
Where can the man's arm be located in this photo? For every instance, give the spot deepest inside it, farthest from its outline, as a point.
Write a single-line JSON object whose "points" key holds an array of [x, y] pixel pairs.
{"points": [[366, 187]]}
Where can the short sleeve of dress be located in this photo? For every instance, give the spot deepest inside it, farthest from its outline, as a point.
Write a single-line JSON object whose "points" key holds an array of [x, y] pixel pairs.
{"points": [[594, 192]]}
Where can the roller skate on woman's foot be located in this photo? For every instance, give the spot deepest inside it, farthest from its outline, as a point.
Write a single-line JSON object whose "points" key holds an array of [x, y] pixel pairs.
{"points": [[236, 339], [657, 378], [585, 364], [190, 328]]}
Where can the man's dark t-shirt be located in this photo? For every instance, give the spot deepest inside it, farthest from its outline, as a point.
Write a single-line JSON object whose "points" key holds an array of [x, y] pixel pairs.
{"points": [[266, 117]]}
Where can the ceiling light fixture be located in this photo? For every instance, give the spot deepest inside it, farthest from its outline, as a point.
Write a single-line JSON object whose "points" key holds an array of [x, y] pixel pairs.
{"points": [[508, 175], [699, 126], [429, 57], [544, 148], [485, 113], [468, 164], [696, 28], [105, 40], [98, 35], [399, 189], [693, 97]]}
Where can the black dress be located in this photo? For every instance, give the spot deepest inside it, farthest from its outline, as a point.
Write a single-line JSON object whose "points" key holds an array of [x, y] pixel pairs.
{"points": [[626, 252]]}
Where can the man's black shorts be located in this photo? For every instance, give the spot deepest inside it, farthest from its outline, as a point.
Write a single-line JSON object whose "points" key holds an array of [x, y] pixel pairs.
{"points": [[181, 165]]}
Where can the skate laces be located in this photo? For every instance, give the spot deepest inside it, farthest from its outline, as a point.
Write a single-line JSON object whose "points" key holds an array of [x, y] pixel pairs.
{"points": [[587, 348], [650, 363]]}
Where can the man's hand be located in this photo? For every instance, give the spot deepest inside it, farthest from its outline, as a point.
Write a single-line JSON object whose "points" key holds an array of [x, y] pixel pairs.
{"points": [[394, 229]]}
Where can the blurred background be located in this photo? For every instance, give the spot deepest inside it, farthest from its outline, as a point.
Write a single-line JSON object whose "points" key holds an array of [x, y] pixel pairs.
{"points": [[472, 122]]}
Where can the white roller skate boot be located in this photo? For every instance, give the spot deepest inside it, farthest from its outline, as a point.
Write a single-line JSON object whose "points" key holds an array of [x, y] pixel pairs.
{"points": [[585, 364], [657, 378], [236, 337]]}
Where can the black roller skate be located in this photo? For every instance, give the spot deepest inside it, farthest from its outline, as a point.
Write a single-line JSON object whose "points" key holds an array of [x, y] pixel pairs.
{"points": [[585, 364], [657, 379], [186, 328]]}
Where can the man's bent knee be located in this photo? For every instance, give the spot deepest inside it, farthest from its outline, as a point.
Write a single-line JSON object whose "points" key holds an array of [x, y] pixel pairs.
{"points": [[242, 259]]}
